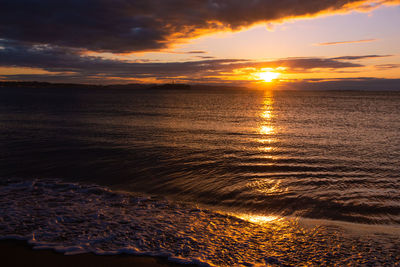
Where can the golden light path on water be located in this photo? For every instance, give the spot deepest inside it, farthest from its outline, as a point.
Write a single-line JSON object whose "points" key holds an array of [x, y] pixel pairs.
{"points": [[310, 242], [266, 137], [266, 128]]}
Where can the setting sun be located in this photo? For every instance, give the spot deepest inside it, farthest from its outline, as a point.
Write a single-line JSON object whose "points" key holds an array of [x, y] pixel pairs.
{"points": [[268, 76]]}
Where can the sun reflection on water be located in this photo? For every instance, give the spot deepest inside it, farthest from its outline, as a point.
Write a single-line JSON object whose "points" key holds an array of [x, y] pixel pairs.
{"points": [[265, 128], [259, 219], [267, 114], [267, 139]]}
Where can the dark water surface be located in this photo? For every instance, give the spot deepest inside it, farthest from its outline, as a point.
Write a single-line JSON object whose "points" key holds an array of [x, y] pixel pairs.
{"points": [[261, 156]]}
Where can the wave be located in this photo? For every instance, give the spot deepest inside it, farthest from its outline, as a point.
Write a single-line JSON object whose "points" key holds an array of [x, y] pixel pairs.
{"points": [[80, 218]]}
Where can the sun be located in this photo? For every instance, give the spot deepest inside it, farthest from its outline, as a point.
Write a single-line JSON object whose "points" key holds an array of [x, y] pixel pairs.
{"points": [[268, 76]]}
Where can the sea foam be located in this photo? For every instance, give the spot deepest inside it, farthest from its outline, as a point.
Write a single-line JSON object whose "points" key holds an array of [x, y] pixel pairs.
{"points": [[77, 218]]}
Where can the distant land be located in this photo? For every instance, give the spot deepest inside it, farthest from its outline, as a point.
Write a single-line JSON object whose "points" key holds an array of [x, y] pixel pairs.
{"points": [[357, 84], [34, 84], [131, 86]]}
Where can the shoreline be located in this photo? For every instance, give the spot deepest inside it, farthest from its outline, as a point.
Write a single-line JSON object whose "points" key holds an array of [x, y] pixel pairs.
{"points": [[20, 253]]}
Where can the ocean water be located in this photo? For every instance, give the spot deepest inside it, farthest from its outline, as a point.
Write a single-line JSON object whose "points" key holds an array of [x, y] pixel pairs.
{"points": [[213, 177]]}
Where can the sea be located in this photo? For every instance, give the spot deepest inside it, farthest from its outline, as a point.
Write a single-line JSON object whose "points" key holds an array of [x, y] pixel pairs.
{"points": [[214, 177]]}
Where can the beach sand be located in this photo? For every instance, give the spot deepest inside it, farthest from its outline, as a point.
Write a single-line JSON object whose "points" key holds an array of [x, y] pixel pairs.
{"points": [[20, 253]]}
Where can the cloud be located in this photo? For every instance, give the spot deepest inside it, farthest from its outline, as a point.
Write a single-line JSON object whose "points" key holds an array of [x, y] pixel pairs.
{"points": [[197, 52], [142, 25], [74, 64], [205, 57], [387, 66], [360, 57], [303, 64], [348, 42], [188, 52]]}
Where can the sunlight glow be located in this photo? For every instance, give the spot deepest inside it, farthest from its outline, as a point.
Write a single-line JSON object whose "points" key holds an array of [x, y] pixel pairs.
{"points": [[267, 114], [265, 129], [259, 219], [268, 76]]}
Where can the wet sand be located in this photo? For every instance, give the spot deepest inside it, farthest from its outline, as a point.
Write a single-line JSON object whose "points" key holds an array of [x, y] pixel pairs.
{"points": [[20, 253]]}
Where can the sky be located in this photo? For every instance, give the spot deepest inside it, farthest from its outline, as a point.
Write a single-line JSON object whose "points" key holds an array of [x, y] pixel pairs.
{"points": [[251, 43]]}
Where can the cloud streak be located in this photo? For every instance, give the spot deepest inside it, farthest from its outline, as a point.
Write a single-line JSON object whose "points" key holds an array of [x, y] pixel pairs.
{"points": [[360, 57], [188, 52], [121, 26], [73, 64], [348, 42]]}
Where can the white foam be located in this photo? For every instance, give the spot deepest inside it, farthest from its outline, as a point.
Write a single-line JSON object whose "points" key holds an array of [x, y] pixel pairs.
{"points": [[74, 218]]}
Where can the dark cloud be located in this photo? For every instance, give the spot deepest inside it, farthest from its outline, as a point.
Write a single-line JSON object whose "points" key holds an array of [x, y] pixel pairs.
{"points": [[197, 52], [360, 57], [205, 57], [387, 66], [302, 64], [72, 63], [138, 25], [188, 52]]}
